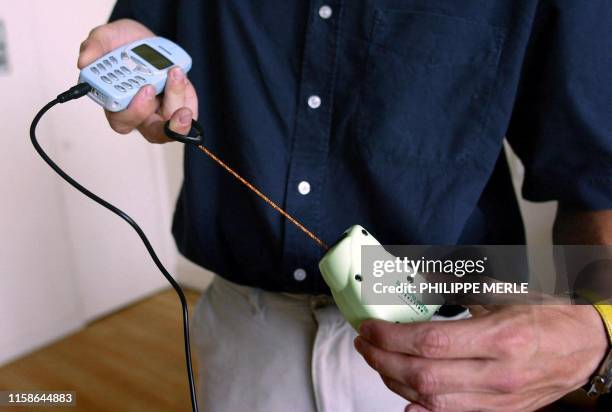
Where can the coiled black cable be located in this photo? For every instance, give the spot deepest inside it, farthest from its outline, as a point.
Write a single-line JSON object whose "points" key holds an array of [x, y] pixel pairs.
{"points": [[76, 92]]}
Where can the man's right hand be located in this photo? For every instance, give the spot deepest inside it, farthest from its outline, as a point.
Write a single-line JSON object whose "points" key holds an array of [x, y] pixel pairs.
{"points": [[146, 113]]}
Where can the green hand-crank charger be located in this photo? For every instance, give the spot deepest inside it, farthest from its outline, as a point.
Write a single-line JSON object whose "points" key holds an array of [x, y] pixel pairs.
{"points": [[341, 269]]}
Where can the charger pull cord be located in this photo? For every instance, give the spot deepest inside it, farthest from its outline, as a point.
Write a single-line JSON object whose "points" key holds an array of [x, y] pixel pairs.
{"points": [[76, 92]]}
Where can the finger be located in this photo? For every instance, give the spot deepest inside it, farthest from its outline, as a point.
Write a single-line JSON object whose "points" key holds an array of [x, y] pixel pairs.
{"points": [[401, 389], [180, 122], [101, 40], [142, 106], [191, 99], [428, 376], [413, 407], [107, 37], [452, 402], [153, 128], [174, 92], [465, 338]]}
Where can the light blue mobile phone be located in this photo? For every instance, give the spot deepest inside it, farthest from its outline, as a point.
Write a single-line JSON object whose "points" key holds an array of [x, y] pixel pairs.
{"points": [[116, 77]]}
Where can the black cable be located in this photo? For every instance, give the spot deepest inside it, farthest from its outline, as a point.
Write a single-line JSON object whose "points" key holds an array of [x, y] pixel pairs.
{"points": [[76, 92]]}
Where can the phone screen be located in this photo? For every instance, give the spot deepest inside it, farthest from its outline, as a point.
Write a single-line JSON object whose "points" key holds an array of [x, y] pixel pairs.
{"points": [[152, 56]]}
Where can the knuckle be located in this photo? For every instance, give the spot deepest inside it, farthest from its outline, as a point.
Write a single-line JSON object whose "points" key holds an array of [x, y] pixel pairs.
{"points": [[388, 383], [120, 128], [373, 360], [139, 110], [435, 403], [513, 342], [424, 382], [98, 31], [433, 342], [509, 382], [177, 87]]}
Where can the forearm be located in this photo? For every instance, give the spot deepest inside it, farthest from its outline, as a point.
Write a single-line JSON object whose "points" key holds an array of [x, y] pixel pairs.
{"points": [[574, 227]]}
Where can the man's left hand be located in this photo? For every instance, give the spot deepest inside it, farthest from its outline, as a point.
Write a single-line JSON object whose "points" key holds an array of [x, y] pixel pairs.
{"points": [[505, 358]]}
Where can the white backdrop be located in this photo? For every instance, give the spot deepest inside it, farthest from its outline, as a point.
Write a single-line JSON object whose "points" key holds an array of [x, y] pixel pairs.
{"points": [[63, 259]]}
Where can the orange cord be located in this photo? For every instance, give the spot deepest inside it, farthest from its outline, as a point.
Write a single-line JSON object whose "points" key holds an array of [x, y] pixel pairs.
{"points": [[264, 197]]}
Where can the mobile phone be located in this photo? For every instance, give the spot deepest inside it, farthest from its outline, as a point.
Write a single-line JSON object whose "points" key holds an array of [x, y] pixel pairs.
{"points": [[116, 77]]}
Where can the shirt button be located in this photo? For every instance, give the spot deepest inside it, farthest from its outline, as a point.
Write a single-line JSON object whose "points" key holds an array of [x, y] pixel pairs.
{"points": [[304, 187], [314, 101], [325, 12], [299, 274]]}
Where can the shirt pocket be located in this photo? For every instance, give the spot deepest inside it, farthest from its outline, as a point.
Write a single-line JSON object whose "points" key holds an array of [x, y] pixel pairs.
{"points": [[427, 86]]}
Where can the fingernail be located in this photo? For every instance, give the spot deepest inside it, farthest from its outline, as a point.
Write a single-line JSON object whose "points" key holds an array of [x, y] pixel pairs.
{"points": [[149, 91], [185, 118], [177, 74]]}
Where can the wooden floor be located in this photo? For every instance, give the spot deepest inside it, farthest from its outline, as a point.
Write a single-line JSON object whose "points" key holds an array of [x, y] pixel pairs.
{"points": [[132, 360]]}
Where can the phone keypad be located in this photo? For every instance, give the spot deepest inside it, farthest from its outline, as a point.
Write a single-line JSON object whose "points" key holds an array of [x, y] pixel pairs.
{"points": [[112, 72]]}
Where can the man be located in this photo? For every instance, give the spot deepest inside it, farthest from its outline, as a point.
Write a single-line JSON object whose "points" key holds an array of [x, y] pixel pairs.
{"points": [[390, 114]]}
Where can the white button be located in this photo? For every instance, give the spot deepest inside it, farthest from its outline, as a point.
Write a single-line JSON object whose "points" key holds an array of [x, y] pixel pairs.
{"points": [[299, 274], [325, 12], [304, 187], [314, 101]]}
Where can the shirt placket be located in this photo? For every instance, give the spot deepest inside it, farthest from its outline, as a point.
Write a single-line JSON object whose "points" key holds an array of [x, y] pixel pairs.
{"points": [[303, 198]]}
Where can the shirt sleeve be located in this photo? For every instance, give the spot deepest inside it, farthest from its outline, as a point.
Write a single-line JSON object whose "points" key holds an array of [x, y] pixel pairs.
{"points": [[158, 15], [561, 126]]}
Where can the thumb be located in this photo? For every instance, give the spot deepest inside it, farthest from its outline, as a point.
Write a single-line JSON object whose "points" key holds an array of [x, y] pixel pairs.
{"points": [[180, 121]]}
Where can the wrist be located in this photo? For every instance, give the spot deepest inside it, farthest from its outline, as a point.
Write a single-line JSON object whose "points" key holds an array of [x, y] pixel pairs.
{"points": [[600, 382]]}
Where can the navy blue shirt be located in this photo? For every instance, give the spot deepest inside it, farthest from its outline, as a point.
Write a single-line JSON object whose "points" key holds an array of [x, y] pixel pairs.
{"points": [[393, 113]]}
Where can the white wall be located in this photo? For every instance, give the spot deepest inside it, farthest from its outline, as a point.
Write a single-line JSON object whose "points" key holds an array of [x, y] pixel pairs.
{"points": [[63, 259], [38, 299], [538, 219]]}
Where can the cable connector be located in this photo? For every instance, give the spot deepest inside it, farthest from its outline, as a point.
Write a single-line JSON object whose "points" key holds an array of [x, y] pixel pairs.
{"points": [[74, 92]]}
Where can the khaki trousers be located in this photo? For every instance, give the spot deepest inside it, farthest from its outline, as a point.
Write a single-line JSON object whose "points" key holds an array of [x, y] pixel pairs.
{"points": [[264, 351]]}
